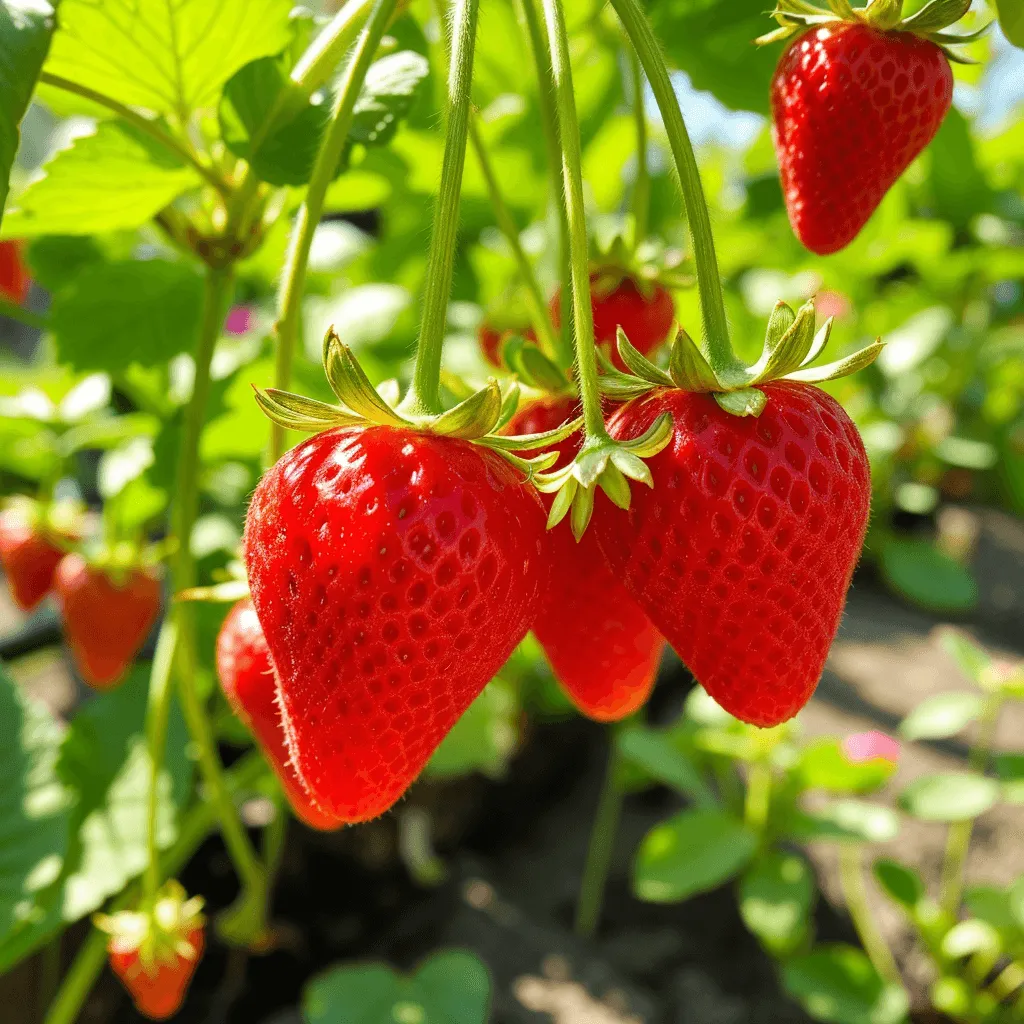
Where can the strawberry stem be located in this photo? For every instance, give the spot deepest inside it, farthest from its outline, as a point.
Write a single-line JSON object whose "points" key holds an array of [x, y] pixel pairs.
{"points": [[424, 397], [712, 302], [332, 145], [572, 195], [642, 184]]}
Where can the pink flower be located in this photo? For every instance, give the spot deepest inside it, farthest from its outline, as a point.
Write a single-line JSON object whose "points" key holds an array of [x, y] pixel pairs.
{"points": [[239, 320], [870, 746]]}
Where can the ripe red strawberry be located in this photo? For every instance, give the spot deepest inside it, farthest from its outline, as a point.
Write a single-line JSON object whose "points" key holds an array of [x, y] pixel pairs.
{"points": [[14, 278], [106, 619], [742, 552], [29, 559], [601, 646], [647, 320], [851, 108], [156, 953], [247, 678], [393, 572]]}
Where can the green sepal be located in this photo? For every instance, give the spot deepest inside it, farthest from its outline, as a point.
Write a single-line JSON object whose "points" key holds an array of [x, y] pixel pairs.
{"points": [[562, 503], [227, 592], [779, 322], [688, 367], [352, 386], [820, 341], [509, 404], [935, 16], [582, 510], [639, 364], [789, 349], [528, 467], [632, 466], [883, 14], [744, 402], [296, 412], [840, 368], [651, 441], [614, 484], [527, 442], [532, 366], [473, 418], [944, 39], [842, 9], [390, 391]]}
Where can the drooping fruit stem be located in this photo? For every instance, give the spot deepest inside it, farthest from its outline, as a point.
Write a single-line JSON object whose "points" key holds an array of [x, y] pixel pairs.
{"points": [[855, 895], [332, 145], [642, 183], [424, 395], [572, 185], [712, 302]]}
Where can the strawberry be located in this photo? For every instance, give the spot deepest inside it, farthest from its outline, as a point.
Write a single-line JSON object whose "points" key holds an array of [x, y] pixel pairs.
{"points": [[491, 339], [852, 106], [601, 646], [107, 616], [155, 953], [247, 678], [14, 278], [393, 571], [646, 315], [29, 559], [743, 550]]}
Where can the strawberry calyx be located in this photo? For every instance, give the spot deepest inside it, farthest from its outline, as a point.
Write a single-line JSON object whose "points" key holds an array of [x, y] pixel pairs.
{"points": [[120, 561], [477, 418], [158, 933], [929, 22], [59, 522], [791, 345], [617, 255]]}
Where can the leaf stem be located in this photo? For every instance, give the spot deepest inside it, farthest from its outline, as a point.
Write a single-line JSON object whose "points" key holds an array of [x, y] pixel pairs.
{"points": [[712, 301], [425, 393], [579, 256], [602, 843], [758, 801], [642, 184], [146, 124], [12, 311], [531, 25], [958, 839], [293, 279], [851, 879]]}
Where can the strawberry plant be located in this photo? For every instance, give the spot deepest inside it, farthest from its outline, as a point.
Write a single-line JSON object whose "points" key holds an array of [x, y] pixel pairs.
{"points": [[379, 386]]}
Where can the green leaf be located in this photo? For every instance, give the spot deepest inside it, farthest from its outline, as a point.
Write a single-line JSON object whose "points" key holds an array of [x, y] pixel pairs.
{"points": [[971, 659], [1011, 20], [837, 983], [776, 896], [695, 851], [969, 937], [115, 178], [941, 716], [917, 570], [117, 314], [958, 186], [34, 819], [903, 884], [845, 821], [654, 752], [949, 796], [483, 739], [25, 27], [390, 88], [450, 987], [992, 904], [170, 58], [823, 765]]}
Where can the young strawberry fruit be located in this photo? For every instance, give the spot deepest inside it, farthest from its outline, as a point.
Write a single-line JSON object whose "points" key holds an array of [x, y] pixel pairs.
{"points": [[107, 617], [249, 683], [155, 953], [393, 571], [852, 106], [645, 316], [29, 558], [743, 550], [601, 646], [14, 277]]}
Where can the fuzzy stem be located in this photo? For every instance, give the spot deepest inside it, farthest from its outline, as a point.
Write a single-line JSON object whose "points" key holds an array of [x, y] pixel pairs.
{"points": [[851, 879], [572, 182], [958, 839], [143, 123], [532, 28], [425, 393], [712, 301], [196, 825], [293, 278], [642, 185], [602, 845]]}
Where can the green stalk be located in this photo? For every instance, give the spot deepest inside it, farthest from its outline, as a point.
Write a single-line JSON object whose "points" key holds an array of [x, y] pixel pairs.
{"points": [[712, 302], [602, 845], [531, 25], [424, 395], [851, 879], [642, 185], [332, 145], [579, 258], [758, 801], [958, 839], [12, 311], [196, 825]]}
